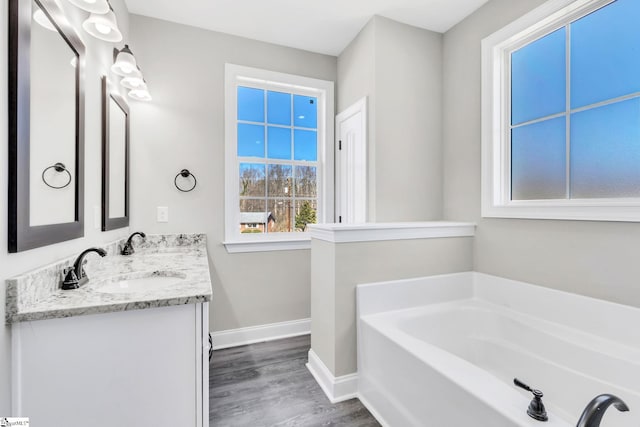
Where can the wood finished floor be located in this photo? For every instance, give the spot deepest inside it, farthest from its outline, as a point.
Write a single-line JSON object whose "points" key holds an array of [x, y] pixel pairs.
{"points": [[268, 385]]}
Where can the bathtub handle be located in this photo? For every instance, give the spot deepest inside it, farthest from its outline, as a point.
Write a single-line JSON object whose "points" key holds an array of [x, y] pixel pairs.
{"points": [[522, 385], [536, 409]]}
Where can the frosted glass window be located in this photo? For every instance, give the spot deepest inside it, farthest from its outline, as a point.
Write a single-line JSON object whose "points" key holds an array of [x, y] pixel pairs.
{"points": [[279, 143], [605, 151], [305, 111], [305, 145], [279, 108], [250, 140], [250, 104], [538, 78], [538, 160], [605, 53]]}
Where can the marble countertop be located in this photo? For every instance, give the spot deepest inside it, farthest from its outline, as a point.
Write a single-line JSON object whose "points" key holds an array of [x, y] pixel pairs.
{"points": [[37, 296]]}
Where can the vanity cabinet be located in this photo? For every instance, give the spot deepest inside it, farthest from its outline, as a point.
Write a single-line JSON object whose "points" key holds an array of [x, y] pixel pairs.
{"points": [[144, 367]]}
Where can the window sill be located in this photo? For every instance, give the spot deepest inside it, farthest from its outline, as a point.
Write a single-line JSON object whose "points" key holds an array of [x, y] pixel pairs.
{"points": [[614, 212], [245, 246]]}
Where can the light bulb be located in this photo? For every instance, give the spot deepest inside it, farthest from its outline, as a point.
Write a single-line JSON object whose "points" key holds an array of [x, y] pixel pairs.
{"points": [[103, 26], [103, 29], [125, 64], [140, 94], [92, 6], [133, 82]]}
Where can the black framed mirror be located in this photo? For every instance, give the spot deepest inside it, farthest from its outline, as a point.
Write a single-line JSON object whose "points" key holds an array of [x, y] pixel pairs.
{"points": [[115, 159], [46, 126]]}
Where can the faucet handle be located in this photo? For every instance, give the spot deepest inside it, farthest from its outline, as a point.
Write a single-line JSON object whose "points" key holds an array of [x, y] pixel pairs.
{"points": [[70, 280], [526, 387], [536, 409]]}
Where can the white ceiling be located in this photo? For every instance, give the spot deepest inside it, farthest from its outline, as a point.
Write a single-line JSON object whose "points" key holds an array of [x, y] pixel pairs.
{"points": [[324, 26]]}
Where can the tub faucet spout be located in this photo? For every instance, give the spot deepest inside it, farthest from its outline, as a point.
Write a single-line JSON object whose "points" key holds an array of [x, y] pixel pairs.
{"points": [[592, 414]]}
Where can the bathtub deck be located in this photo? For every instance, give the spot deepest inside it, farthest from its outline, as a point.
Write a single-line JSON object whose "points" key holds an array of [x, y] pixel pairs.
{"points": [[268, 385]]}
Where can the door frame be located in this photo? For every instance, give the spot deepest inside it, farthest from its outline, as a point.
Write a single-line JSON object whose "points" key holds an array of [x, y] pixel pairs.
{"points": [[359, 106]]}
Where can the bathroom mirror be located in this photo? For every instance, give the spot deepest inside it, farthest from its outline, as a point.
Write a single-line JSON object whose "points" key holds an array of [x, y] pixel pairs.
{"points": [[46, 126], [115, 159]]}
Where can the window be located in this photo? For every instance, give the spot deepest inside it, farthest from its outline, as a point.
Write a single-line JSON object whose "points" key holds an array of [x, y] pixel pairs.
{"points": [[277, 149], [278, 132], [561, 113]]}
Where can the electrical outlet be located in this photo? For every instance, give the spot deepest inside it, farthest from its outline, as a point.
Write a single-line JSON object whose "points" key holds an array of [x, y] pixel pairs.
{"points": [[163, 213]]}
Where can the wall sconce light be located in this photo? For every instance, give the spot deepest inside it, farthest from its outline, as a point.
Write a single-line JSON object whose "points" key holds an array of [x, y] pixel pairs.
{"points": [[93, 6], [142, 87], [140, 94], [134, 82], [125, 63], [103, 26]]}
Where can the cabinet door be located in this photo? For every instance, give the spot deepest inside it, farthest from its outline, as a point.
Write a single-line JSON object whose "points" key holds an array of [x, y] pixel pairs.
{"points": [[139, 367], [202, 364]]}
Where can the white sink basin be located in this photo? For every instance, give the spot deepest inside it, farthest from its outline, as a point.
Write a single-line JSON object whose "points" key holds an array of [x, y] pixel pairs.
{"points": [[143, 284]]}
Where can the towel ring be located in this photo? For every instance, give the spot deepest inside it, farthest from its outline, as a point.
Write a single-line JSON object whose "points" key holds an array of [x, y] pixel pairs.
{"points": [[58, 167], [185, 174]]}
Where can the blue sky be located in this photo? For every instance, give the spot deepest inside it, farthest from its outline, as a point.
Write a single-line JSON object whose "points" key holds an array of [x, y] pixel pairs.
{"points": [[270, 138]]}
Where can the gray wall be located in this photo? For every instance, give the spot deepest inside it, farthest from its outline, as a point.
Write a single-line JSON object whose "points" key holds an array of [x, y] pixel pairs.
{"points": [[399, 67], [356, 79], [184, 128], [99, 58], [408, 64], [336, 269], [598, 259]]}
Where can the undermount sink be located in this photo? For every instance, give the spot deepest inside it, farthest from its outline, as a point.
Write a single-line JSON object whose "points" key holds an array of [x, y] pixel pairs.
{"points": [[141, 284]]}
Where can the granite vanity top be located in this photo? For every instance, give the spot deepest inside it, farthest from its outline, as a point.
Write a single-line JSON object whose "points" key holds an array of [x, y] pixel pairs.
{"points": [[36, 295]]}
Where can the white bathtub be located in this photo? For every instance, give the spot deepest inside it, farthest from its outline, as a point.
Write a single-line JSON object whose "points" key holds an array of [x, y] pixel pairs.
{"points": [[443, 351]]}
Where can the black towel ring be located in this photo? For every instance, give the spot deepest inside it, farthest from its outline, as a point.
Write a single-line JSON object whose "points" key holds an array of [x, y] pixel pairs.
{"points": [[58, 167], [185, 174]]}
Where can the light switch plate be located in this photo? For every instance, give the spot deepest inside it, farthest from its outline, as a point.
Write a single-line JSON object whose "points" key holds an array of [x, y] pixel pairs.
{"points": [[163, 213]]}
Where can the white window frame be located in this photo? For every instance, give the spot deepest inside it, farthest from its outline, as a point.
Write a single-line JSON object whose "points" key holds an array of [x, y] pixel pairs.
{"points": [[496, 113], [323, 90]]}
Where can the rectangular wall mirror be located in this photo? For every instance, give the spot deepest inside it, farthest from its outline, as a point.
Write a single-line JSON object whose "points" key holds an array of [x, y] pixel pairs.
{"points": [[115, 159], [46, 126]]}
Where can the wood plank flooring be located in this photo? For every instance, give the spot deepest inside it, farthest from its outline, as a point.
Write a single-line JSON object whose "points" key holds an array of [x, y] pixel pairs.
{"points": [[268, 385]]}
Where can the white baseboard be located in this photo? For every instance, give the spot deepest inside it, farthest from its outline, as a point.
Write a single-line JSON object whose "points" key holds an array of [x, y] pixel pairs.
{"points": [[337, 389], [373, 411], [262, 333]]}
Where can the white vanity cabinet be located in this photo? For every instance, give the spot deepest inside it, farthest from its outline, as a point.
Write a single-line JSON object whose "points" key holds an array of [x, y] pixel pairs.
{"points": [[146, 367]]}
